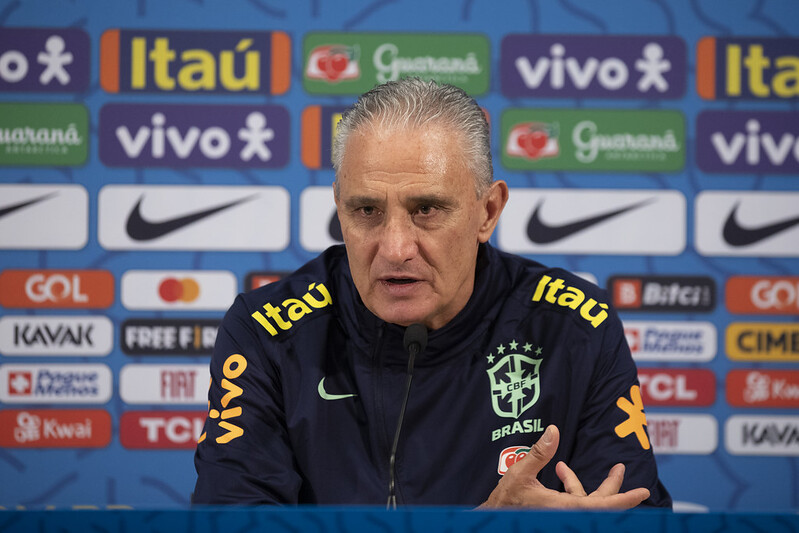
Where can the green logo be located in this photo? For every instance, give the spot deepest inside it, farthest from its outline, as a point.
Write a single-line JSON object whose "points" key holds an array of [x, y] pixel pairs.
{"points": [[514, 379], [353, 63], [591, 139], [43, 134]]}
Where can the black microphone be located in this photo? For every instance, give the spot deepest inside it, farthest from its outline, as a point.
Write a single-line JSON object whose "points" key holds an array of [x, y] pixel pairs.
{"points": [[414, 341]]}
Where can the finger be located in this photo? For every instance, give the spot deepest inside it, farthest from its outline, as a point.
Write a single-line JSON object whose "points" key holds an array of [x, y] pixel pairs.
{"points": [[540, 453], [616, 502], [612, 483], [571, 483]]}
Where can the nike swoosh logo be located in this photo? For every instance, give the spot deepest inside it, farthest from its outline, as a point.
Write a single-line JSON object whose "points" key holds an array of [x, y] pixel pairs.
{"points": [[542, 233], [327, 396], [140, 229], [11, 208], [736, 235]]}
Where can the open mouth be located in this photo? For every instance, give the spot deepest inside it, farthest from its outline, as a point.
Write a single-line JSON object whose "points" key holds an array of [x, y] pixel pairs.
{"points": [[400, 281]]}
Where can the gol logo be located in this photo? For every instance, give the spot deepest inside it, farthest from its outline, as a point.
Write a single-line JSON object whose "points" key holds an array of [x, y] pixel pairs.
{"points": [[183, 290], [56, 288], [333, 63], [773, 295]]}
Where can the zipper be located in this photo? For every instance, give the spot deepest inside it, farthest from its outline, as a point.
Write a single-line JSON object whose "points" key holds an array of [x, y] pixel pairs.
{"points": [[383, 443]]}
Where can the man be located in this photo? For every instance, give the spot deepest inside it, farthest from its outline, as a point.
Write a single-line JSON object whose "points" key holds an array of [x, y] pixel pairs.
{"points": [[309, 375]]}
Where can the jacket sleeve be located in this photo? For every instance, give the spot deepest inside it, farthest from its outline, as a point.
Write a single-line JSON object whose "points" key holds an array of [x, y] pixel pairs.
{"points": [[243, 456], [613, 423]]}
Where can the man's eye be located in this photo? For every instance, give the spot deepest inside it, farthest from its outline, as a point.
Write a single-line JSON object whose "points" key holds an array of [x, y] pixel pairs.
{"points": [[367, 210], [426, 209]]}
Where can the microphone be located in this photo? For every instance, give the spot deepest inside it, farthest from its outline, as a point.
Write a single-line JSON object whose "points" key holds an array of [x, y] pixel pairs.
{"points": [[414, 341]]}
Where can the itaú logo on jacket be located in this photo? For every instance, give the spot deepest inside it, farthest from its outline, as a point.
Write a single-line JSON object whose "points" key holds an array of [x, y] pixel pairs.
{"points": [[294, 308], [557, 292]]}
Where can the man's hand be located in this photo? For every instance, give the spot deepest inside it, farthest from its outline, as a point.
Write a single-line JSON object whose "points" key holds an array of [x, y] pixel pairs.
{"points": [[520, 488]]}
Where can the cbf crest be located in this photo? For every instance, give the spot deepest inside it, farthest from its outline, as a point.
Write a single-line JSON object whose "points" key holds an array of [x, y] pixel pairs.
{"points": [[515, 379]]}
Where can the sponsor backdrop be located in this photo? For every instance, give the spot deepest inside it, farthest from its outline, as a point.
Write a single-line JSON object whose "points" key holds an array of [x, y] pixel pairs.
{"points": [[156, 158]]}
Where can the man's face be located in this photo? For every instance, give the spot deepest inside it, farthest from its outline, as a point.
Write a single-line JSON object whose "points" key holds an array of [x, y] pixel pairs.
{"points": [[412, 221]]}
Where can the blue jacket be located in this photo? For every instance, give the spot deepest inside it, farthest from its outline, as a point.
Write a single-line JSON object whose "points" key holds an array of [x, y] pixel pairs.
{"points": [[307, 385]]}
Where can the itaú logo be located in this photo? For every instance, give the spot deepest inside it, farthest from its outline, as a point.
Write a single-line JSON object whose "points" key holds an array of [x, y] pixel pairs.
{"points": [[179, 290]]}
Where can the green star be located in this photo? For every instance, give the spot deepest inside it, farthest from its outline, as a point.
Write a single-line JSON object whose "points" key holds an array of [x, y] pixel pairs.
{"points": [[538, 350], [528, 347], [501, 349], [490, 358], [513, 344]]}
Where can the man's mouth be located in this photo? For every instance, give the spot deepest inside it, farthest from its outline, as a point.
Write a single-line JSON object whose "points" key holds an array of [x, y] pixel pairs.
{"points": [[400, 281]]}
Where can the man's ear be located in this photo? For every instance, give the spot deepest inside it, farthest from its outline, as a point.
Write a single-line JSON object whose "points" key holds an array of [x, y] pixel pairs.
{"points": [[494, 200]]}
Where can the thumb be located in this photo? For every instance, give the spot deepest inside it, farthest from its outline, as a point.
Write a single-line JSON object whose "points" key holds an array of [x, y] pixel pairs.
{"points": [[542, 452]]}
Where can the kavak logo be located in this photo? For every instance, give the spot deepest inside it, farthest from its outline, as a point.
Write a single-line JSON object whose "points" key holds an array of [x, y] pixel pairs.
{"points": [[747, 68], [758, 341], [56, 288], [43, 134], [763, 388], [353, 63], [593, 221], [55, 428], [763, 295], [661, 341], [188, 217], [663, 293], [677, 387], [764, 142], [514, 378], [43, 383], [181, 61], [168, 336], [158, 135], [318, 129], [164, 384], [56, 335], [257, 279], [762, 435], [44, 60], [593, 140], [671, 433], [161, 429], [576, 66], [752, 223], [208, 290], [319, 224], [24, 208]]}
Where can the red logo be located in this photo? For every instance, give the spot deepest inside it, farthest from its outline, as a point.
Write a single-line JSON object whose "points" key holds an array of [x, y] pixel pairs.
{"points": [[633, 336], [259, 279], [533, 140], [334, 63], [510, 456], [677, 387], [161, 429], [768, 295], [183, 290], [55, 428], [763, 388], [20, 383], [627, 293], [56, 288]]}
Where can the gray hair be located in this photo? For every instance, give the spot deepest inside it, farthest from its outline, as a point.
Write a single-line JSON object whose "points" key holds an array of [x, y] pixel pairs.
{"points": [[414, 103]]}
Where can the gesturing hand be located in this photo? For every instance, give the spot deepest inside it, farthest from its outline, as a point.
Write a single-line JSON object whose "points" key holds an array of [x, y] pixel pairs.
{"points": [[520, 488]]}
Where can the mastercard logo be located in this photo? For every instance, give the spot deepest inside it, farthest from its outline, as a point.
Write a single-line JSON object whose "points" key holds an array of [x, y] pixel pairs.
{"points": [[179, 290]]}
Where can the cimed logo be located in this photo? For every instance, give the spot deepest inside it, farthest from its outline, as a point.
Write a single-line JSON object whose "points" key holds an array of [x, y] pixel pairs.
{"points": [[514, 380]]}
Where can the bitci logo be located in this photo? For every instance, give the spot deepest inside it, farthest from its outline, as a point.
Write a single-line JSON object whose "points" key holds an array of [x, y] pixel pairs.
{"points": [[533, 140], [627, 293], [333, 63], [20, 383]]}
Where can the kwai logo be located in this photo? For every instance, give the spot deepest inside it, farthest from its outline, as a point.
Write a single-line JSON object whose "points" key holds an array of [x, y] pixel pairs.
{"points": [[55, 428], [574, 66], [43, 134], [194, 135], [514, 378], [763, 388], [176, 61], [353, 63], [318, 128], [56, 335], [772, 295], [592, 139], [43, 383], [748, 141], [168, 336], [747, 223], [333, 63], [747, 68], [44, 60]]}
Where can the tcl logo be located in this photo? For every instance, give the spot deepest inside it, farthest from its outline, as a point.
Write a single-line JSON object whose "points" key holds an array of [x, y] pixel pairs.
{"points": [[677, 387], [56, 288], [510, 456], [161, 429], [763, 295]]}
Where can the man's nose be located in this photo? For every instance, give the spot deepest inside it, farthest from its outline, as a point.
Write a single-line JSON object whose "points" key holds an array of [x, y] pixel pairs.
{"points": [[398, 240]]}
